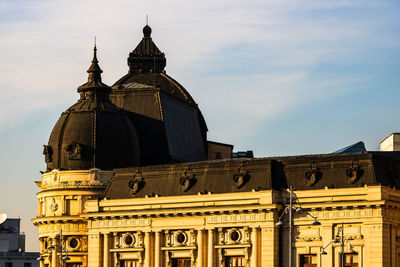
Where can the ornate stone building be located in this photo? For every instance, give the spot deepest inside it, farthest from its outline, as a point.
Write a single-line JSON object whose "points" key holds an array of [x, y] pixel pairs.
{"points": [[130, 181]]}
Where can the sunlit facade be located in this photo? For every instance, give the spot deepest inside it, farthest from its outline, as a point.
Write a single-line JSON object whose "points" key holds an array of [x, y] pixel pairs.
{"points": [[132, 180]]}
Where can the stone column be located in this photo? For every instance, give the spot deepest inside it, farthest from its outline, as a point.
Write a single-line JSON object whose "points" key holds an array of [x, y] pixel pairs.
{"points": [[147, 254], [254, 249], [54, 259], [106, 250], [200, 246], [157, 249], [42, 248], [210, 256]]}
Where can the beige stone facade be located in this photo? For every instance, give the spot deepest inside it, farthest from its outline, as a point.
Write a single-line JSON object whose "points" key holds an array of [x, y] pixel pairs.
{"points": [[62, 200], [212, 229]]}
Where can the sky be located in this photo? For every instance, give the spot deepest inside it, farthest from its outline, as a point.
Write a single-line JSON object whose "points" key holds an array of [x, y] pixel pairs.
{"points": [[279, 77]]}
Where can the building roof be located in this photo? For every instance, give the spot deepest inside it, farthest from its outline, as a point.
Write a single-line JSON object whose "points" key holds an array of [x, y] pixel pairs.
{"points": [[358, 147], [244, 175], [169, 124], [93, 132]]}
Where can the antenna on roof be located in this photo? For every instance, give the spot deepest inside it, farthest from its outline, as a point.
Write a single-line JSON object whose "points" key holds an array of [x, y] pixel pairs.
{"points": [[95, 41], [147, 19]]}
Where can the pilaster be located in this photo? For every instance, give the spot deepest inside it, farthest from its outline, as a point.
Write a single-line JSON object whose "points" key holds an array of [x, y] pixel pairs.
{"points": [[94, 250]]}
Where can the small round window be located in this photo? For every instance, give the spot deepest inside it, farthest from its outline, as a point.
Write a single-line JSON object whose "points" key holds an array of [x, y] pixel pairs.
{"points": [[128, 240], [73, 243], [180, 238], [234, 235]]}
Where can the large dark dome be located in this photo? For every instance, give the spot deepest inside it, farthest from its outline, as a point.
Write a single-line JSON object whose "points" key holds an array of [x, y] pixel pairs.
{"points": [[93, 133], [168, 121]]}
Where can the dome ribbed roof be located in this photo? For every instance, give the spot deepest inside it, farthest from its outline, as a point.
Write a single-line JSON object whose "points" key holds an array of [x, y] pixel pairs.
{"points": [[169, 123], [93, 133]]}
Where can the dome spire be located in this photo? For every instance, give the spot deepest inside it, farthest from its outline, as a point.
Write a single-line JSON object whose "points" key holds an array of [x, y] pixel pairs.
{"points": [[94, 88], [94, 69]]}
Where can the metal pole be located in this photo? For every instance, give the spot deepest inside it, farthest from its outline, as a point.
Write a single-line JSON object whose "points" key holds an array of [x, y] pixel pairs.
{"points": [[290, 225], [61, 262], [342, 239]]}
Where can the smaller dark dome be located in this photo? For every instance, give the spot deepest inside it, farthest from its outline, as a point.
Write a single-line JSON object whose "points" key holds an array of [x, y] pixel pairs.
{"points": [[147, 31], [93, 133]]}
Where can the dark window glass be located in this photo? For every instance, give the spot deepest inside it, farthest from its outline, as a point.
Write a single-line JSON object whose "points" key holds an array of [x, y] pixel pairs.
{"points": [[350, 260], [235, 235], [73, 243], [181, 262], [235, 261], [308, 260], [129, 263], [128, 240], [180, 238]]}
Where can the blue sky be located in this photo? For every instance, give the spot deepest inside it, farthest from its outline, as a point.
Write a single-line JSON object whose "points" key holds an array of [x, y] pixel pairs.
{"points": [[278, 77]]}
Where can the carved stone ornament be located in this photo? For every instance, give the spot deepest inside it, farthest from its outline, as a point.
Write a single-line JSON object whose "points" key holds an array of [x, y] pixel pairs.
{"points": [[48, 153], [241, 177], [74, 151], [187, 181], [353, 172], [135, 184], [312, 174], [53, 205]]}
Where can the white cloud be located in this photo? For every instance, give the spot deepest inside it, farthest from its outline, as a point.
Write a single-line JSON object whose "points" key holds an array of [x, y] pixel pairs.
{"points": [[45, 55]]}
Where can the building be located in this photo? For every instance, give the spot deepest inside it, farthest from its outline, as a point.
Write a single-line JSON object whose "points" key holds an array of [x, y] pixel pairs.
{"points": [[132, 180], [391, 143], [12, 246]]}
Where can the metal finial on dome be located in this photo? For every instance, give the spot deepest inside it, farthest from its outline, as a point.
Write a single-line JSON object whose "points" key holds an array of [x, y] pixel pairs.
{"points": [[94, 69], [94, 88], [147, 31]]}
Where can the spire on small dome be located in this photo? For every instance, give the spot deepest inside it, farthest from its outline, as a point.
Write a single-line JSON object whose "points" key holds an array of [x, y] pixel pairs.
{"points": [[94, 69], [94, 88]]}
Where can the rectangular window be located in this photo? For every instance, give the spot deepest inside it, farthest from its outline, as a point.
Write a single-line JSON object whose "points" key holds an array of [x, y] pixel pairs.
{"points": [[129, 263], [350, 260], [308, 260], [8, 264], [181, 262], [27, 264], [234, 261]]}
